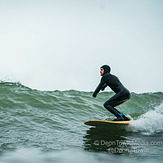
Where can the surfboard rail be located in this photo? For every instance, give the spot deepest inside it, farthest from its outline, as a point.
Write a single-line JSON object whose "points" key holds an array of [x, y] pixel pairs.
{"points": [[104, 122]]}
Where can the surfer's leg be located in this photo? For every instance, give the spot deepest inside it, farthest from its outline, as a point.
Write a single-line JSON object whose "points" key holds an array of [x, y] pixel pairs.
{"points": [[118, 103], [114, 111], [115, 101]]}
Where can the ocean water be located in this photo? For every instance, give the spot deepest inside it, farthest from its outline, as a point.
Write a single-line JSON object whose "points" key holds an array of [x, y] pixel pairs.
{"points": [[48, 126]]}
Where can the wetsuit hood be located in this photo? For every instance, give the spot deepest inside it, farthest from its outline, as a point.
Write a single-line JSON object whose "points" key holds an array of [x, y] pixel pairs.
{"points": [[106, 68]]}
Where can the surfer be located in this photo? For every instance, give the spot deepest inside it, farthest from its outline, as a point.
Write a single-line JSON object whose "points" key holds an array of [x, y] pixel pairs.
{"points": [[122, 94]]}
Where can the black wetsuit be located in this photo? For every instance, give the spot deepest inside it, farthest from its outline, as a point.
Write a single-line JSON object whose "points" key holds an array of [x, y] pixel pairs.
{"points": [[122, 94]]}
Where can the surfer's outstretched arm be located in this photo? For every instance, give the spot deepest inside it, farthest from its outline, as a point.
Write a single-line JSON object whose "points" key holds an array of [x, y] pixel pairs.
{"points": [[100, 86]]}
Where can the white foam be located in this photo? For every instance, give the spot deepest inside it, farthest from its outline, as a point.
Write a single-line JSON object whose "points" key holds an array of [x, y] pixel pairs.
{"points": [[149, 123]]}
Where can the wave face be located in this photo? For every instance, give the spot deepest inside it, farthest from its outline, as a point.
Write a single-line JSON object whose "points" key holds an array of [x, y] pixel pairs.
{"points": [[53, 121]]}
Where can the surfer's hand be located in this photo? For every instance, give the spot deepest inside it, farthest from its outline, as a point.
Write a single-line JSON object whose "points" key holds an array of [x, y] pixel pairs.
{"points": [[94, 94]]}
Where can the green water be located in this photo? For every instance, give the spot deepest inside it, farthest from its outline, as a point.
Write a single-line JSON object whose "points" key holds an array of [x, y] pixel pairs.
{"points": [[48, 126]]}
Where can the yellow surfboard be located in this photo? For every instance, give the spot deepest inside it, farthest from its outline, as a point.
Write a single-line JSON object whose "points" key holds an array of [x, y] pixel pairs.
{"points": [[106, 123]]}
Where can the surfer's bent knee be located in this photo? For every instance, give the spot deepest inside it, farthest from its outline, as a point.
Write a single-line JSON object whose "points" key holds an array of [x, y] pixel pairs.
{"points": [[105, 105]]}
